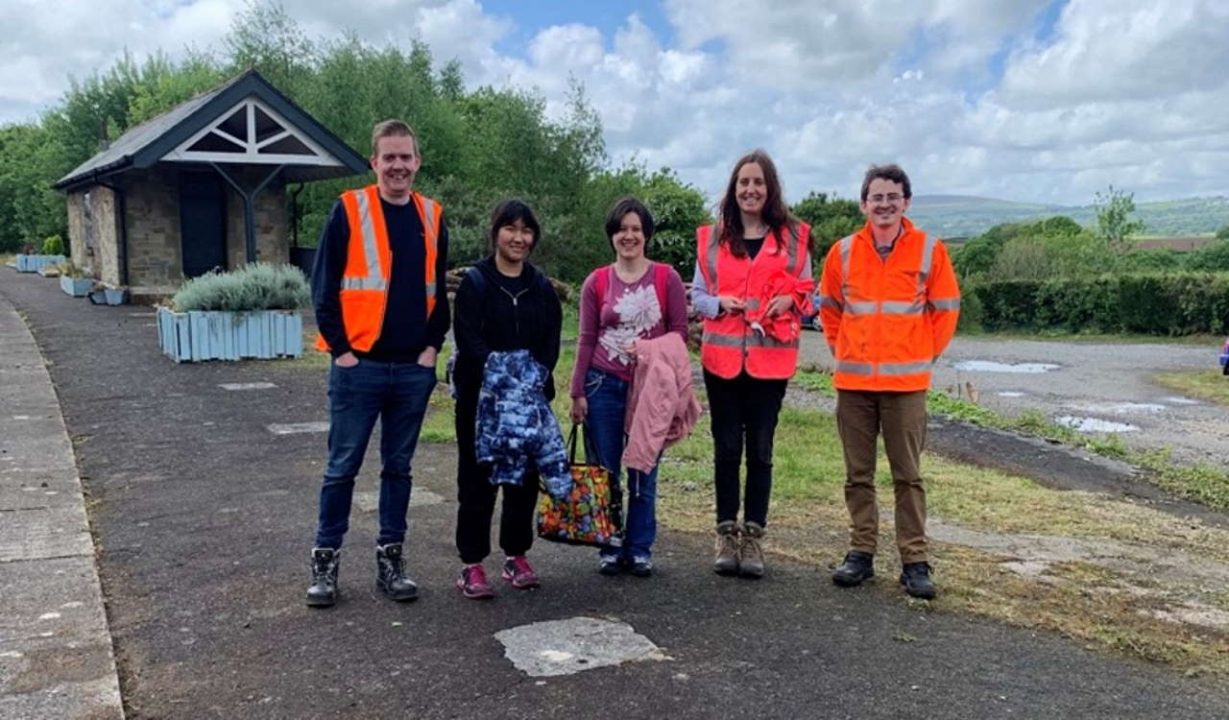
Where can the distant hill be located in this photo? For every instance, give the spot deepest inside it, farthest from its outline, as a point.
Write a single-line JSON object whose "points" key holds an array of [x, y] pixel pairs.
{"points": [[965, 216]]}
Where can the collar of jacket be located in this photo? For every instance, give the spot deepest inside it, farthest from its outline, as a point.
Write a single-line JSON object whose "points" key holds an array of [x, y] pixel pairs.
{"points": [[908, 232], [487, 267]]}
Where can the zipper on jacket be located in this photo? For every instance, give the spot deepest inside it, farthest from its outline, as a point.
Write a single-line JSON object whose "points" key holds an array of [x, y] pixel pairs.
{"points": [[516, 316]]}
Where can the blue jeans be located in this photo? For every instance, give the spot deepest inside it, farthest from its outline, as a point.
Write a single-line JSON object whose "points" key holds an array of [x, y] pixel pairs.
{"points": [[607, 396], [397, 394]]}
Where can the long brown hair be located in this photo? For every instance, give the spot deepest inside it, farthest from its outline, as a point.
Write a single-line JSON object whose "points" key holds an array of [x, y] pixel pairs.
{"points": [[776, 214]]}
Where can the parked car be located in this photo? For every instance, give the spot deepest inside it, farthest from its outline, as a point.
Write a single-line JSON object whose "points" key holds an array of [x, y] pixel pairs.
{"points": [[812, 321], [1224, 358]]}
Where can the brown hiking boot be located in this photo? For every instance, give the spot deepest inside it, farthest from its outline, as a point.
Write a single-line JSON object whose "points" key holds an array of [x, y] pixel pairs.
{"points": [[727, 548], [750, 554]]}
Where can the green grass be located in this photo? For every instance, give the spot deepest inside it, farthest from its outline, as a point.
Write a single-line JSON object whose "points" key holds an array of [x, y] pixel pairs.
{"points": [[1201, 340], [1210, 385]]}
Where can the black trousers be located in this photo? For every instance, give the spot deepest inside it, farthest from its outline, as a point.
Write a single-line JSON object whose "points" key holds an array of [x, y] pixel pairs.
{"points": [[743, 410], [476, 495]]}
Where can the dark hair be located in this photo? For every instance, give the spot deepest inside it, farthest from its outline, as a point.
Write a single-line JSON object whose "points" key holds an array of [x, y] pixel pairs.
{"points": [[508, 212], [391, 128], [776, 213], [890, 172], [625, 205]]}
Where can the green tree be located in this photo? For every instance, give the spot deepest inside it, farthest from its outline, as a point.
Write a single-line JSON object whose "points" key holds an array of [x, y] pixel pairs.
{"points": [[1223, 233], [1114, 221], [830, 217]]}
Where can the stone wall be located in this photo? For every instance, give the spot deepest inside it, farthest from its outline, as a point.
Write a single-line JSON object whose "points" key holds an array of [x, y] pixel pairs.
{"points": [[78, 252], [272, 221], [152, 216], [103, 214]]}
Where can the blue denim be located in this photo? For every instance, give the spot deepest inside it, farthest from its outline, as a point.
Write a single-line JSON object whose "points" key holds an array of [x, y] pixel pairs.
{"points": [[607, 396], [397, 394]]}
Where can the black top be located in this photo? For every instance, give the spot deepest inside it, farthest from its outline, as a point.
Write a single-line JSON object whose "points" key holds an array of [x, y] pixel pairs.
{"points": [[499, 314], [406, 331], [754, 245]]}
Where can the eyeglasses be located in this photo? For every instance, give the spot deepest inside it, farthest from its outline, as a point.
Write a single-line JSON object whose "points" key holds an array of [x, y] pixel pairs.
{"points": [[890, 197]]}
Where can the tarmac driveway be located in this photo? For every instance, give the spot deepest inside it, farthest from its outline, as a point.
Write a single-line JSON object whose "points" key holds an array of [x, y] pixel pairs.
{"points": [[203, 518]]}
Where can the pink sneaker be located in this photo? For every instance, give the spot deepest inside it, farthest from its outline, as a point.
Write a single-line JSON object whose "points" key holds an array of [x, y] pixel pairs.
{"points": [[519, 572], [473, 583]]}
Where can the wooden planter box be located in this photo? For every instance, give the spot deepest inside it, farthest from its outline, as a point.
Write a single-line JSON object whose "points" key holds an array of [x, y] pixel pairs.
{"points": [[220, 335], [109, 296], [34, 263], [77, 287]]}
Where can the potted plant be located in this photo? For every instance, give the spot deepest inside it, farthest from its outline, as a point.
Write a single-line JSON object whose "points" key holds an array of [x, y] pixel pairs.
{"points": [[74, 280], [52, 254], [252, 312], [105, 294]]}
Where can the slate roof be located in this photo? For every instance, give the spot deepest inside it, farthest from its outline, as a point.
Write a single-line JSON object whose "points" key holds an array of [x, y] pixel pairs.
{"points": [[144, 145]]}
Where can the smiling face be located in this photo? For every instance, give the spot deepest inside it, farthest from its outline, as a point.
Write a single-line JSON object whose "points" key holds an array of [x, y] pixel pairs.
{"points": [[514, 241], [628, 239], [750, 189], [885, 203], [395, 162]]}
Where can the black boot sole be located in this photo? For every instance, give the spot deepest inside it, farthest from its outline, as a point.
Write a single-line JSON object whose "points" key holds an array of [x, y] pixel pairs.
{"points": [[849, 582], [406, 597], [321, 602]]}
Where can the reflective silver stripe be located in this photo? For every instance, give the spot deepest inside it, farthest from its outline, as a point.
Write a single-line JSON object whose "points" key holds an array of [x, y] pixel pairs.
{"points": [[791, 265], [711, 259], [855, 368], [722, 340], [374, 279], [846, 251], [944, 304], [902, 308], [429, 209], [928, 255], [910, 368], [861, 308], [430, 290], [825, 301], [767, 341]]}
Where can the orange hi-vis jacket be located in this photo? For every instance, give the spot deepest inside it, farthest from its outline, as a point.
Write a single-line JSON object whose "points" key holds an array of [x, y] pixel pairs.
{"points": [[888, 321], [369, 264], [729, 343]]}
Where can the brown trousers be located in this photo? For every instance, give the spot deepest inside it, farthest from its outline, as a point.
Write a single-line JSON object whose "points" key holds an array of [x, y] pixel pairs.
{"points": [[901, 417]]}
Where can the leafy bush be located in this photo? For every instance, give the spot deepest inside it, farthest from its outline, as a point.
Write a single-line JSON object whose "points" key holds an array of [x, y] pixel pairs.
{"points": [[53, 245], [259, 286], [1210, 258]]}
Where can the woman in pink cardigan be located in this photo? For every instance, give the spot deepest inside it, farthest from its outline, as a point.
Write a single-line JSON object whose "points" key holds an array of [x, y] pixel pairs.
{"points": [[632, 299]]}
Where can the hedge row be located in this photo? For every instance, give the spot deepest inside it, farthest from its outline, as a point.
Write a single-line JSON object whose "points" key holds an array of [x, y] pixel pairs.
{"points": [[1152, 304]]}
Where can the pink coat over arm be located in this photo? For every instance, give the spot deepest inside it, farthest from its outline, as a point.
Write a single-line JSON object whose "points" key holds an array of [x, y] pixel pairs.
{"points": [[662, 407]]}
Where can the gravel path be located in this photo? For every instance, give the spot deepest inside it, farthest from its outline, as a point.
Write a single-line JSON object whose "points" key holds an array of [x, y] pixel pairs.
{"points": [[1105, 386]]}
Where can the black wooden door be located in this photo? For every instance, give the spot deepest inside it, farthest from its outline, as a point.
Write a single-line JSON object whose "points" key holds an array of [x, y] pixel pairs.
{"points": [[202, 223]]}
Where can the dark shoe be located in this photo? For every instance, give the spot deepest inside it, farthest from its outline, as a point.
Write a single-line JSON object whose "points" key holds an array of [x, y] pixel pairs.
{"points": [[726, 562], [916, 579], [858, 566], [642, 567], [473, 583], [390, 574], [323, 590], [609, 565], [519, 572], [750, 554]]}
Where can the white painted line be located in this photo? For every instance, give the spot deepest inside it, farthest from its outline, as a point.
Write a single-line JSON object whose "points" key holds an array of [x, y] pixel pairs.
{"points": [[565, 647], [247, 386], [293, 428]]}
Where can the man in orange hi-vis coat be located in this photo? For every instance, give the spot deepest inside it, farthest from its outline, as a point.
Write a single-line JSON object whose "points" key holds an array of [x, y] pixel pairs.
{"points": [[888, 307]]}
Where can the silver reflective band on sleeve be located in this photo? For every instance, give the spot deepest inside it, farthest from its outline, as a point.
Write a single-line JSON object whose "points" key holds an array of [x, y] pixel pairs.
{"points": [[909, 368], [825, 301], [374, 280], [945, 304], [861, 308], [902, 308], [855, 368]]}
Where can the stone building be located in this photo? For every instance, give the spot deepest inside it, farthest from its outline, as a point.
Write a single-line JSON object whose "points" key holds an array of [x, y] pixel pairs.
{"points": [[200, 187]]}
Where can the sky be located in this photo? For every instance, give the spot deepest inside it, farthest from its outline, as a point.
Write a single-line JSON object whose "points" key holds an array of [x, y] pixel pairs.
{"points": [[1043, 101]]}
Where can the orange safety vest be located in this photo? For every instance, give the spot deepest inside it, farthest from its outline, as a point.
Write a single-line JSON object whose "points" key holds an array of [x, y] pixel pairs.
{"points": [[369, 264], [887, 321], [729, 343]]}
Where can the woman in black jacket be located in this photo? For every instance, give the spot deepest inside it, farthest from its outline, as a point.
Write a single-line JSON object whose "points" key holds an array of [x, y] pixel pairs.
{"points": [[504, 303]]}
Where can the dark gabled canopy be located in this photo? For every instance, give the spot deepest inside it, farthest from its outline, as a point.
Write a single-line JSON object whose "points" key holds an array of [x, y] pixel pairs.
{"points": [[150, 142]]}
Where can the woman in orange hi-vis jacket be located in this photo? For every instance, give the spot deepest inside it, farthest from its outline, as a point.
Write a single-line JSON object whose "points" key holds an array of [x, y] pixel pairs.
{"points": [[752, 285], [888, 306]]}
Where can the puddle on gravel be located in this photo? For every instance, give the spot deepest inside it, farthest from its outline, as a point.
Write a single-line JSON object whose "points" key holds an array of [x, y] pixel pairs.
{"points": [[998, 367], [1010, 394], [1091, 425], [1179, 400], [1126, 408]]}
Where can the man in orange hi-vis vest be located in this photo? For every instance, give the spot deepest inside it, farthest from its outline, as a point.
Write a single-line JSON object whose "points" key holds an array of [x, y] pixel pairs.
{"points": [[378, 288], [888, 307]]}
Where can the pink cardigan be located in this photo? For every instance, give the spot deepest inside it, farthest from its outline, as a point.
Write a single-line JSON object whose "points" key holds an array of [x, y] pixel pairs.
{"points": [[661, 406]]}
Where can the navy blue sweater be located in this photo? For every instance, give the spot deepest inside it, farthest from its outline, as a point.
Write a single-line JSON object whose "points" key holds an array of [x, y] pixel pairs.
{"points": [[406, 331]]}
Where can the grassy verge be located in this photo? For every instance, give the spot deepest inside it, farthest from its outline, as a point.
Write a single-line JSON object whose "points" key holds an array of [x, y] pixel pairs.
{"points": [[1210, 385], [1201, 340]]}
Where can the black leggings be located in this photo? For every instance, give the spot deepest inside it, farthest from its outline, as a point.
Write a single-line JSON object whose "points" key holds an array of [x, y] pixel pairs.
{"points": [[743, 409]]}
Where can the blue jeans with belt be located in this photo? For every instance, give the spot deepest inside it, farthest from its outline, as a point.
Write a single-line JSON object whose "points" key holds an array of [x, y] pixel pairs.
{"points": [[395, 393], [607, 397]]}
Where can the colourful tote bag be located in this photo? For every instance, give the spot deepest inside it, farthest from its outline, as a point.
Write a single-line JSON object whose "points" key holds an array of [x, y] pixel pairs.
{"points": [[591, 515]]}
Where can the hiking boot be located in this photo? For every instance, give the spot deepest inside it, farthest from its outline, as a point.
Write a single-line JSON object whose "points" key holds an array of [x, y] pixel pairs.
{"points": [[519, 572], [473, 583], [609, 565], [857, 566], [642, 567], [726, 562], [390, 574], [916, 579], [750, 554], [323, 590]]}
